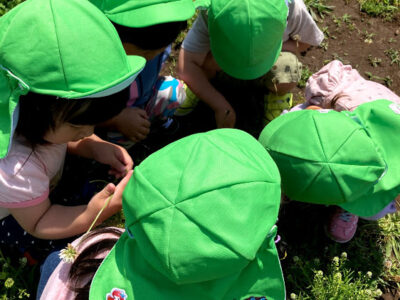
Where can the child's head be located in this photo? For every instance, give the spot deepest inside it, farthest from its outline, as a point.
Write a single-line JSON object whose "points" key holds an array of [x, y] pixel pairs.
{"points": [[146, 28], [246, 36], [200, 217], [73, 52], [48, 119], [347, 159]]}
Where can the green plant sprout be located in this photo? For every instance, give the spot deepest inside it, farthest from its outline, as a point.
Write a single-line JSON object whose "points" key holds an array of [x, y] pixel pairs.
{"points": [[374, 61], [318, 9], [394, 56], [305, 74], [387, 80]]}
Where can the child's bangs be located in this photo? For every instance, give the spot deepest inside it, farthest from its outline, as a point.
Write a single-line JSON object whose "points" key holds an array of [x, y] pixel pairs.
{"points": [[92, 111]]}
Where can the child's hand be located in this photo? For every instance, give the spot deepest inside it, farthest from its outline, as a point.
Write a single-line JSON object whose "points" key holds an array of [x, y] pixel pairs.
{"points": [[225, 117], [133, 123], [115, 203], [115, 156]]}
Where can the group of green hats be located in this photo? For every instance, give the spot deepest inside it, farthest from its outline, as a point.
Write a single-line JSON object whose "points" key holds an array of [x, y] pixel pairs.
{"points": [[70, 49], [200, 213], [344, 158]]}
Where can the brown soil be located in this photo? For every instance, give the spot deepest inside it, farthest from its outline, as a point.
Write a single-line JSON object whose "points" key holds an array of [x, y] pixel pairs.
{"points": [[351, 42]]}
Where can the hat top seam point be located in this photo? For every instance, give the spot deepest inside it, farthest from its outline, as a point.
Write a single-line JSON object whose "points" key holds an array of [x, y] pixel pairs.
{"points": [[58, 43]]}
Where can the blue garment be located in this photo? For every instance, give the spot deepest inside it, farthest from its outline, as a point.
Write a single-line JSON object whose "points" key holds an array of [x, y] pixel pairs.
{"points": [[49, 265], [147, 79]]}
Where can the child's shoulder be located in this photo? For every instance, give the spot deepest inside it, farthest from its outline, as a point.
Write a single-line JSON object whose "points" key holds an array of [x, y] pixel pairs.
{"points": [[22, 159]]}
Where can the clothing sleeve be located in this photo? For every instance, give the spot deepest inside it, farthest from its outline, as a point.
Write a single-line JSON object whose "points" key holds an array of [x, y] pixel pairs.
{"points": [[198, 39], [23, 181], [301, 25]]}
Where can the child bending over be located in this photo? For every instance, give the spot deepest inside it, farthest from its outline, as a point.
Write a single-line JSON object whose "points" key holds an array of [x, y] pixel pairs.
{"points": [[53, 100], [193, 230]]}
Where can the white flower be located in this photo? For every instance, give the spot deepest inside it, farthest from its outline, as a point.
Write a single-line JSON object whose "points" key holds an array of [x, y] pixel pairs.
{"points": [[68, 254], [338, 276]]}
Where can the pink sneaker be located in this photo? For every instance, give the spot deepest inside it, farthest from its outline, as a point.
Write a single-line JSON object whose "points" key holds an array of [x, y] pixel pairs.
{"points": [[341, 226]]}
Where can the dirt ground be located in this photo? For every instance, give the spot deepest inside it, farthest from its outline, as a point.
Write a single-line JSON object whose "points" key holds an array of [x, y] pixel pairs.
{"points": [[361, 41]]}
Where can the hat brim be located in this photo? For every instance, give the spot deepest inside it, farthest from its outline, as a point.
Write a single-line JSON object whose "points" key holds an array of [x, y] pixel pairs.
{"points": [[158, 13], [136, 65], [126, 269], [9, 108]]}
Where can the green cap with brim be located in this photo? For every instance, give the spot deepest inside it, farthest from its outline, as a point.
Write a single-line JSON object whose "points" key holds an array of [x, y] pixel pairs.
{"points": [[65, 48], [200, 217], [324, 157], [246, 35], [381, 120], [143, 13]]}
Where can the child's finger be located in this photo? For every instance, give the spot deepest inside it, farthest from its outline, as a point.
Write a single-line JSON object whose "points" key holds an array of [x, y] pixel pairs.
{"points": [[125, 159], [122, 184], [107, 191], [143, 114]]}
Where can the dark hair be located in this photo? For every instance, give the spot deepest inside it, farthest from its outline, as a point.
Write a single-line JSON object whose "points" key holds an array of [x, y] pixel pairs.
{"points": [[39, 113], [151, 37], [86, 265]]}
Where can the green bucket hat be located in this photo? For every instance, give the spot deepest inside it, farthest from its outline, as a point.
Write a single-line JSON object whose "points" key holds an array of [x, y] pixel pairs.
{"points": [[325, 157], [65, 48], [246, 35], [381, 120], [143, 13], [200, 217]]}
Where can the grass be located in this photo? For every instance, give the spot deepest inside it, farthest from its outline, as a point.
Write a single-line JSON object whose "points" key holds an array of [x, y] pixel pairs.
{"points": [[394, 56], [317, 268], [6, 5], [16, 278], [338, 281], [305, 74], [387, 9], [318, 9]]}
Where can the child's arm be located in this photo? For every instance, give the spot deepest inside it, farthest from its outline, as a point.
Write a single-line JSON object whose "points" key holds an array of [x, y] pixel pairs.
{"points": [[47, 221], [296, 47], [192, 70], [104, 152]]}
